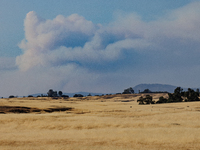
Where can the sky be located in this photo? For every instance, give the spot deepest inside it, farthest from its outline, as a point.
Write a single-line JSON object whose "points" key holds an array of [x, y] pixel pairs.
{"points": [[97, 45]]}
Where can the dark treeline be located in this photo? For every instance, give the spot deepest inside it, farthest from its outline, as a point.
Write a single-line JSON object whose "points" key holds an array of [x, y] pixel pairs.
{"points": [[149, 91], [178, 96]]}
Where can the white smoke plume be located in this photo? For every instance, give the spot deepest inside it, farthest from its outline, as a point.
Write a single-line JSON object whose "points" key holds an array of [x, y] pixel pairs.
{"points": [[43, 37], [73, 39]]}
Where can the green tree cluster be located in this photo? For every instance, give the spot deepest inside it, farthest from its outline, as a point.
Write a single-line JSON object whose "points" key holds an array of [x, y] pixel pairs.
{"points": [[180, 96], [147, 91], [52, 93], [128, 91], [191, 95], [146, 100]]}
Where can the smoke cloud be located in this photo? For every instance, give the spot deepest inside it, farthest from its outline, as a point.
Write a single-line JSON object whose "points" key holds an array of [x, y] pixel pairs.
{"points": [[62, 41], [43, 37]]}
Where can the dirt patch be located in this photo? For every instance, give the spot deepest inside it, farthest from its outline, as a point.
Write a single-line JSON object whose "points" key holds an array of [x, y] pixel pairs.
{"points": [[127, 100], [176, 124], [20, 109]]}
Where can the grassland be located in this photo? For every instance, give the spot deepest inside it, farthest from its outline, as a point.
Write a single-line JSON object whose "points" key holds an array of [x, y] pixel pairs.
{"points": [[99, 123]]}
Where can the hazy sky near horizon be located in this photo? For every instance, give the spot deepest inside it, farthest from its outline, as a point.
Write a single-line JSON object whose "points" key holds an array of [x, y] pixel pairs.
{"points": [[97, 45]]}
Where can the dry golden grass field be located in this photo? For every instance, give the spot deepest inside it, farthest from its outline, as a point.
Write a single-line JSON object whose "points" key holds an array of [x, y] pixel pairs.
{"points": [[98, 123]]}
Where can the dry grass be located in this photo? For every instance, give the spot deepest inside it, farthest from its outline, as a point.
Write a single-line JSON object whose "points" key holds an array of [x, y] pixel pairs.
{"points": [[101, 123]]}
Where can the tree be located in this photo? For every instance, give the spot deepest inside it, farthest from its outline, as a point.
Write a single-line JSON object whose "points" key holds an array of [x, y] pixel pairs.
{"points": [[60, 93], [128, 91], [161, 100], [171, 98], [11, 96], [146, 100], [55, 94], [65, 96], [50, 93], [191, 95], [149, 100], [141, 100], [78, 95], [146, 91], [178, 94], [89, 94]]}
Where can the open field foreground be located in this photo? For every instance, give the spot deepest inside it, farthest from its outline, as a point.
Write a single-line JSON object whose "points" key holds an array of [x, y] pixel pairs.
{"points": [[98, 123]]}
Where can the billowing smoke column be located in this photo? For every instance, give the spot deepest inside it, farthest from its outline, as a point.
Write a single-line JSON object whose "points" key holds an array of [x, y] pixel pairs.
{"points": [[75, 40], [48, 40]]}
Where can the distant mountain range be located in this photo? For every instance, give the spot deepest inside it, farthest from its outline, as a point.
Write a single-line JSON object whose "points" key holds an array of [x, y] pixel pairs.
{"points": [[155, 88], [137, 88]]}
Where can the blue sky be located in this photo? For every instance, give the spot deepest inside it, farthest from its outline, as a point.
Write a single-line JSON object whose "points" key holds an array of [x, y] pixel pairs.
{"points": [[96, 45]]}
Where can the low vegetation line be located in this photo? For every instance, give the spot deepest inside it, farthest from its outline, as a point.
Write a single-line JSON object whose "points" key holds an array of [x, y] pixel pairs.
{"points": [[20, 109]]}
